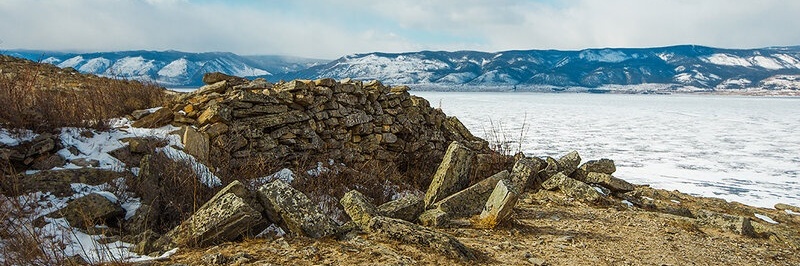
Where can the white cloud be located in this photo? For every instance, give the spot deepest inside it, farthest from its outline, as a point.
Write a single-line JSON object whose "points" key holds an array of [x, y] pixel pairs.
{"points": [[329, 29]]}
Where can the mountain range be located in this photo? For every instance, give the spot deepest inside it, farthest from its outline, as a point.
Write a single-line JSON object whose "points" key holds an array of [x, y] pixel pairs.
{"points": [[684, 67]]}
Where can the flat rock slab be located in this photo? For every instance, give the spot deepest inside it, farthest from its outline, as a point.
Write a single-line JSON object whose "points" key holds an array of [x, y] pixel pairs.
{"points": [[471, 200], [292, 209], [410, 233], [605, 166], [609, 182], [406, 208], [572, 188], [92, 209]]}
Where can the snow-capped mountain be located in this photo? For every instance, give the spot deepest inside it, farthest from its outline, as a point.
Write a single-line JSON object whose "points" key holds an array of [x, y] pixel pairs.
{"points": [[676, 66], [169, 68]]}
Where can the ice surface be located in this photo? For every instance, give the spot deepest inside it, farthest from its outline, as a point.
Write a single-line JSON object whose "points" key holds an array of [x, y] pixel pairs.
{"points": [[737, 148]]}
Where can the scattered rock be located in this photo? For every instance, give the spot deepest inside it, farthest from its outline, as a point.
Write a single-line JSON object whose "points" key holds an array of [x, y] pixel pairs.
{"points": [[471, 200], [499, 205], [609, 181], [524, 174], [410, 233], [358, 208], [572, 188], [434, 218], [569, 162], [223, 218], [605, 166], [737, 224], [215, 77], [782, 207], [406, 208], [47, 162], [292, 209], [159, 118], [90, 210], [195, 143], [83, 162], [452, 174]]}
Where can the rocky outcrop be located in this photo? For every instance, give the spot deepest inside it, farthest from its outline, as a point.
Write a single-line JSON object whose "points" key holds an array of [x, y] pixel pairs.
{"points": [[291, 209], [737, 224], [410, 233], [452, 174]]}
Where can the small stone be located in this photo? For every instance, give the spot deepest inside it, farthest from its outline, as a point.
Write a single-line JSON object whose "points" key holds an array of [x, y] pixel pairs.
{"points": [[434, 218], [500, 204], [537, 261]]}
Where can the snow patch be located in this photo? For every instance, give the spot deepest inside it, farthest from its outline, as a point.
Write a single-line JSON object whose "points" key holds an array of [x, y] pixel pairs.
{"points": [[72, 62], [605, 55], [727, 60], [175, 68], [95, 65], [765, 218], [17, 137], [766, 62]]}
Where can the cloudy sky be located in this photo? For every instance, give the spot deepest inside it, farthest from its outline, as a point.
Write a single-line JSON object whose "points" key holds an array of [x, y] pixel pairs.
{"points": [[329, 29]]}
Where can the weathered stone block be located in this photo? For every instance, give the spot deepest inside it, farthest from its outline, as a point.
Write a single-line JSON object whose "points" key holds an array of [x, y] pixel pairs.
{"points": [[605, 166], [406, 208], [292, 209], [569, 162], [358, 207], [452, 174], [410, 233], [609, 181], [499, 205]]}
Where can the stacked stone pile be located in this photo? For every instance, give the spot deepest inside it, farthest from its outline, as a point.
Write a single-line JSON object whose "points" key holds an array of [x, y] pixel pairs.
{"points": [[347, 121]]}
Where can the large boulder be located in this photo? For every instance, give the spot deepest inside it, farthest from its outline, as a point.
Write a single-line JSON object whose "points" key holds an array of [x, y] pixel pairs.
{"points": [[358, 207], [609, 182], [159, 118], [452, 174], [410, 233], [225, 217], [294, 211], [499, 205], [471, 200], [572, 188], [605, 166], [92, 209], [406, 208]]}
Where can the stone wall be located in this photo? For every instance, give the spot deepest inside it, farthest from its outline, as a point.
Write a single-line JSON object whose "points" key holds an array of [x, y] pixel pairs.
{"points": [[347, 121]]}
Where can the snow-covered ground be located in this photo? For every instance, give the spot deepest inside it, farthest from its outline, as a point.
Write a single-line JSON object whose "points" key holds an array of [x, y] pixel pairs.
{"points": [[741, 149], [94, 146]]}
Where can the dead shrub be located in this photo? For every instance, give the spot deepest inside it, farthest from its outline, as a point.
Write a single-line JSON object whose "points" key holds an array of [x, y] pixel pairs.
{"points": [[35, 97], [171, 188]]}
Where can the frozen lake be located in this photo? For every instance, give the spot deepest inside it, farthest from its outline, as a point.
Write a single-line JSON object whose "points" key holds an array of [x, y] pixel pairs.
{"points": [[743, 149]]}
